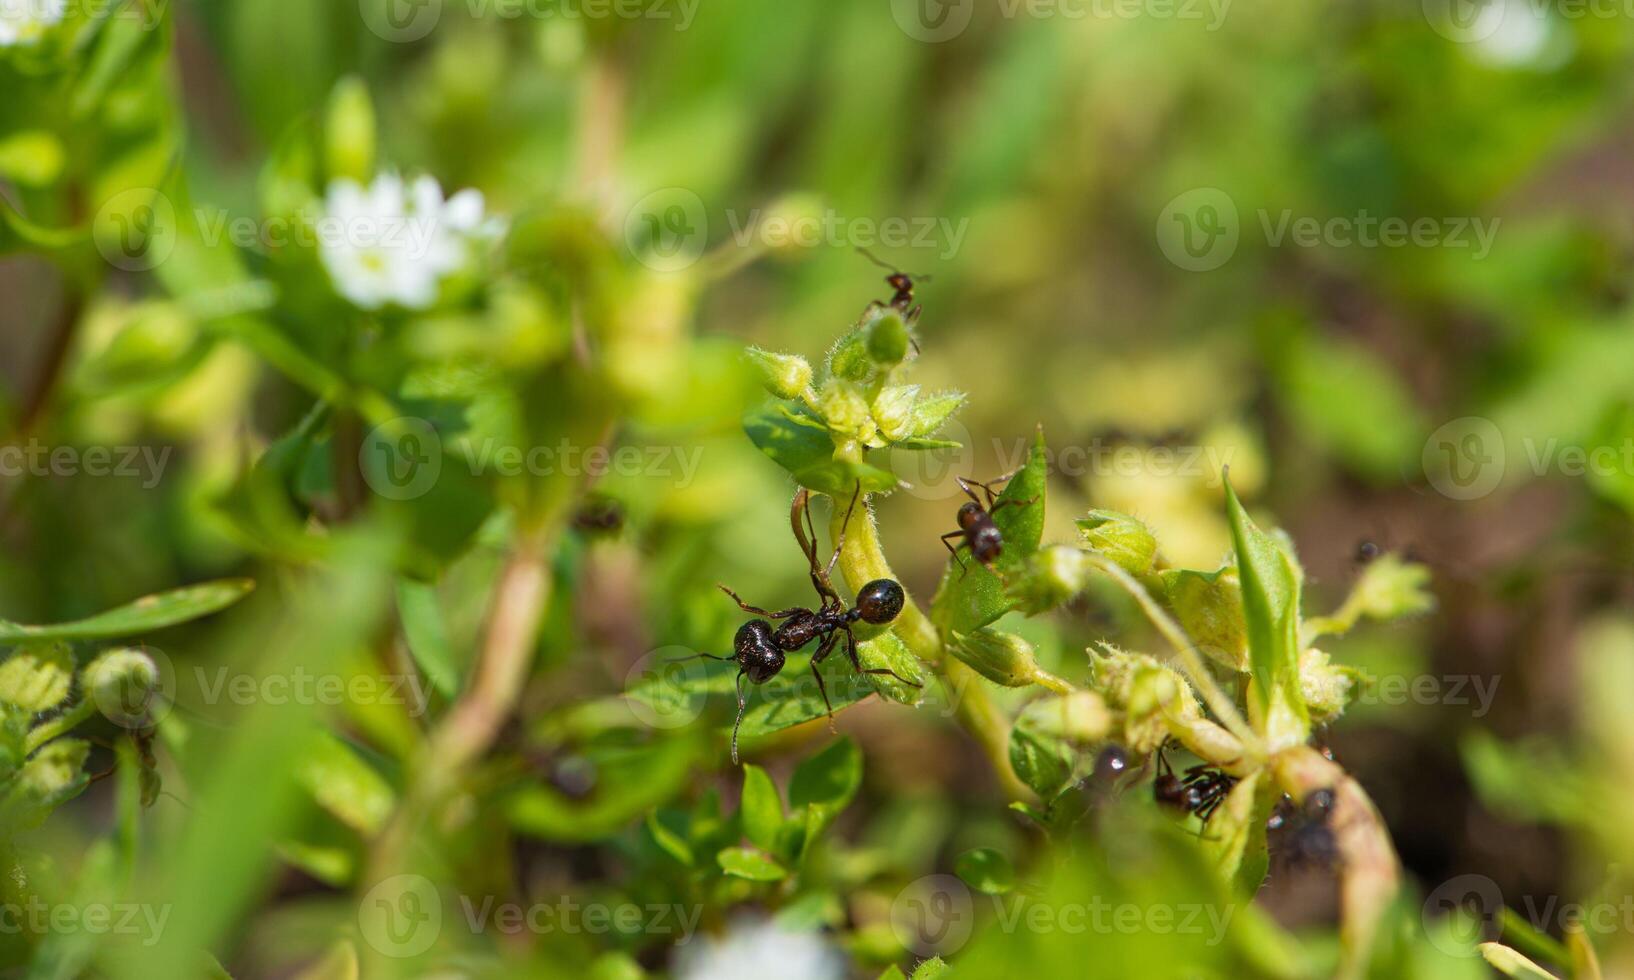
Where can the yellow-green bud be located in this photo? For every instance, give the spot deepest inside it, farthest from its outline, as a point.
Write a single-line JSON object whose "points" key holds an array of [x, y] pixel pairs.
{"points": [[888, 338], [1002, 658], [894, 411], [1122, 538], [122, 682], [37, 676], [1080, 717], [1327, 688], [349, 136], [1391, 588], [1053, 576], [784, 375], [1209, 607], [845, 410]]}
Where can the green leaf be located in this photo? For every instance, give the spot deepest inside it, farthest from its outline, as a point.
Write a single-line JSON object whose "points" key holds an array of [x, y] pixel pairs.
{"points": [[427, 635], [631, 780], [745, 862], [972, 596], [1040, 762], [888, 650], [798, 441], [791, 698], [930, 414], [986, 870], [37, 676], [145, 615], [1511, 963], [829, 779], [762, 808], [346, 786], [668, 840], [893, 972], [1270, 583], [930, 969]]}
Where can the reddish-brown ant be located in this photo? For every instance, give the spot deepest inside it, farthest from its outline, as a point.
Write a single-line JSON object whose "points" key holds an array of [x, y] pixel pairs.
{"points": [[902, 284], [981, 535], [759, 648]]}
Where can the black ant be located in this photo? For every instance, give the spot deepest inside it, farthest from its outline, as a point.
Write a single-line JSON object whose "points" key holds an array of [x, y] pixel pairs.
{"points": [[600, 515], [903, 285], [759, 648], [981, 535], [1302, 834], [1202, 791]]}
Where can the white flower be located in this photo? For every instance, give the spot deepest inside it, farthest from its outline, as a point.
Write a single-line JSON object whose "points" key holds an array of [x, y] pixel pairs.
{"points": [[393, 243], [754, 950], [25, 21]]}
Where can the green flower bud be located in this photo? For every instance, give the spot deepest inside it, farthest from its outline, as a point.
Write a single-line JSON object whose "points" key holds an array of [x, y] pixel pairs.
{"points": [[845, 409], [893, 411], [1326, 687], [849, 359], [1122, 538], [1002, 658], [1391, 588], [349, 135], [930, 414], [784, 375], [888, 338], [51, 776], [1053, 576], [1209, 606], [123, 683], [37, 676], [1081, 717], [1150, 695]]}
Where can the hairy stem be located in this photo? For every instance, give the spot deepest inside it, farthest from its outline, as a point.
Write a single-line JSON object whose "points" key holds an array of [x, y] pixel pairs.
{"points": [[1196, 671], [862, 561]]}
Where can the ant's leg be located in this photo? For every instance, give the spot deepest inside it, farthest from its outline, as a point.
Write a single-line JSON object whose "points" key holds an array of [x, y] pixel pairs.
{"points": [[965, 486], [822, 688], [1008, 503], [840, 542], [800, 508], [739, 723], [856, 661], [780, 614], [950, 549], [682, 660]]}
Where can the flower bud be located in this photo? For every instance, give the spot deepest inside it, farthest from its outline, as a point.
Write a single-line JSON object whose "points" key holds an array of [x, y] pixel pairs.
{"points": [[790, 223], [845, 410], [1209, 606], [784, 375], [37, 676], [893, 411], [1002, 658], [122, 682], [849, 359], [1122, 538], [1053, 576], [349, 135], [888, 339], [1391, 588], [1326, 687]]}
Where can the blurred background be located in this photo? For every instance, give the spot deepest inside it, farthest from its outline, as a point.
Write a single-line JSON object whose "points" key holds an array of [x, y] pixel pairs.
{"points": [[1373, 256]]}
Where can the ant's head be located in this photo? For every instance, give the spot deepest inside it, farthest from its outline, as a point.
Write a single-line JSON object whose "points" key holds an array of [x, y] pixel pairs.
{"points": [[880, 601], [968, 512], [900, 281], [756, 651]]}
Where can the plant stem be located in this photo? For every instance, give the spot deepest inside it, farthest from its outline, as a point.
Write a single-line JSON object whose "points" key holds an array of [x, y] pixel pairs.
{"points": [[861, 561], [1196, 671]]}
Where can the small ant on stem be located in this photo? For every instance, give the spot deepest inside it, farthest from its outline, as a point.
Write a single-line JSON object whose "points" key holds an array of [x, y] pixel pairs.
{"points": [[760, 648], [1202, 791], [981, 535]]}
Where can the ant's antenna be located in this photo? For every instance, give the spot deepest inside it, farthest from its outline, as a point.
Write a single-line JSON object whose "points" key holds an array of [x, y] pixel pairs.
{"points": [[870, 256], [893, 270]]}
